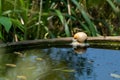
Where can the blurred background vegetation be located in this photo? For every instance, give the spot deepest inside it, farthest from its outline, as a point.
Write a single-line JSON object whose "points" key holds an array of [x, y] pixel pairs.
{"points": [[41, 19]]}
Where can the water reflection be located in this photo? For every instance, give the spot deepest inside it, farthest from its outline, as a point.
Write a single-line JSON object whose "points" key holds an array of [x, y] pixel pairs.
{"points": [[30, 67], [5, 59], [46, 64], [79, 63], [80, 50], [60, 64]]}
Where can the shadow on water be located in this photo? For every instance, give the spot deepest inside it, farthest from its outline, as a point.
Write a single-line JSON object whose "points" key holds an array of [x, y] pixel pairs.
{"points": [[60, 64]]}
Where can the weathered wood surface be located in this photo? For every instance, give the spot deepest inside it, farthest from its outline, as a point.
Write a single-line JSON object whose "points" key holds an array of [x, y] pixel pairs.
{"points": [[109, 42], [95, 42], [102, 38]]}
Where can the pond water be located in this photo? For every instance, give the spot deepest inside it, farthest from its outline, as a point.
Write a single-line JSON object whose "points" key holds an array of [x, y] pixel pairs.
{"points": [[60, 64]]}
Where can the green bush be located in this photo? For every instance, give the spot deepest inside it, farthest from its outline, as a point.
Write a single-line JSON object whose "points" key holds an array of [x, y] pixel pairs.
{"points": [[38, 19]]}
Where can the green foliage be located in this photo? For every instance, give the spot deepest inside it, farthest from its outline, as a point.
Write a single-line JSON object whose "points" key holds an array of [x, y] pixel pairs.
{"points": [[62, 19], [6, 22], [35, 19], [94, 3], [87, 19], [115, 9]]}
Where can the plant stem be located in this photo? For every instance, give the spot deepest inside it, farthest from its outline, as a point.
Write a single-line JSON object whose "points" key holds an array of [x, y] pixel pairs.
{"points": [[0, 7], [69, 11], [39, 20]]}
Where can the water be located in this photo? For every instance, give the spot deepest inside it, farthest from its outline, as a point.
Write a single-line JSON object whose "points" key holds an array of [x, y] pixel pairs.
{"points": [[60, 64]]}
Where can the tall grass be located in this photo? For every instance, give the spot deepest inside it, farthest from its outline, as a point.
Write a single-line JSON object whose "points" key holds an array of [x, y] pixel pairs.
{"points": [[35, 19], [91, 26]]}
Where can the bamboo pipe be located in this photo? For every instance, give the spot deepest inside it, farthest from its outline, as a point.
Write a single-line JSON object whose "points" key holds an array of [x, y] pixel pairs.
{"points": [[95, 42]]}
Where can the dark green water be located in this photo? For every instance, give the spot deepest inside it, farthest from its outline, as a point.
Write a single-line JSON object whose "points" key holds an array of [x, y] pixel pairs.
{"points": [[60, 64]]}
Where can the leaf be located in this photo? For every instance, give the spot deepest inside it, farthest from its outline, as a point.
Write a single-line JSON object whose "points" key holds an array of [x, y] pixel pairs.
{"points": [[94, 3], [116, 9], [51, 34], [59, 14], [63, 21], [0, 7], [85, 27], [118, 1], [22, 3], [6, 22], [7, 12], [1, 35], [18, 24], [86, 17]]}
